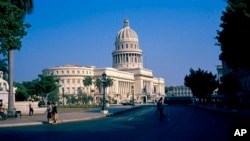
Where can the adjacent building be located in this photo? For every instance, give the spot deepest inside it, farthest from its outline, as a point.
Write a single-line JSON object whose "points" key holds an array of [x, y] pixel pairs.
{"points": [[179, 91]]}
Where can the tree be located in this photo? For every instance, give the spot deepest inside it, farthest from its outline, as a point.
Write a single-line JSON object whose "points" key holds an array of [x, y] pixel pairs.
{"points": [[98, 84], [12, 29], [48, 87], [21, 92], [202, 83], [233, 39], [32, 88], [109, 82], [88, 81], [4, 67]]}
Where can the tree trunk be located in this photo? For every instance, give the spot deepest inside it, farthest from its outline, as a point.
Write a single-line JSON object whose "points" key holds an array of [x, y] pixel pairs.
{"points": [[11, 99]]}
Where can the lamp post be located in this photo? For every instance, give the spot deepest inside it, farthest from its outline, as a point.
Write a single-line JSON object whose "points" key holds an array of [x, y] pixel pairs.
{"points": [[63, 95], [133, 99], [104, 85]]}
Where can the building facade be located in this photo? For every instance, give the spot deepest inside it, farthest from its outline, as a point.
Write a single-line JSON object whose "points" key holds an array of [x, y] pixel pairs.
{"points": [[179, 91], [129, 77]]}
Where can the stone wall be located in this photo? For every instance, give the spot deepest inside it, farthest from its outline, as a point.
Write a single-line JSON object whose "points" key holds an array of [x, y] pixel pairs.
{"points": [[23, 106]]}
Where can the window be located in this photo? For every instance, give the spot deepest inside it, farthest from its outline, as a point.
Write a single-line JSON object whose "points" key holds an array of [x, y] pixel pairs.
{"points": [[126, 45], [118, 47]]}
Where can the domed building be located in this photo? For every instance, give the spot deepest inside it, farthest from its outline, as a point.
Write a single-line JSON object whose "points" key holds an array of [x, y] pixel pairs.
{"points": [[129, 77]]}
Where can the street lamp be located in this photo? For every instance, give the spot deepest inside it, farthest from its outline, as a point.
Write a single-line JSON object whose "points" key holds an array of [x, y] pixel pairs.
{"points": [[63, 95], [104, 85], [133, 99]]}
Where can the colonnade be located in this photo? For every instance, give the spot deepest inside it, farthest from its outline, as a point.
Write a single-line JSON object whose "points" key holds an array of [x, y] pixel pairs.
{"points": [[127, 58]]}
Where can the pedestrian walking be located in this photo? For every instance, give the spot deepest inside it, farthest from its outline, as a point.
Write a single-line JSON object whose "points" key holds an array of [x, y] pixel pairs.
{"points": [[31, 108], [54, 113], [160, 107], [157, 108], [48, 111]]}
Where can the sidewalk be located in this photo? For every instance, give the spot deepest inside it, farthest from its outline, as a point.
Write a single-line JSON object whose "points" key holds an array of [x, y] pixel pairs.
{"points": [[65, 117], [242, 113]]}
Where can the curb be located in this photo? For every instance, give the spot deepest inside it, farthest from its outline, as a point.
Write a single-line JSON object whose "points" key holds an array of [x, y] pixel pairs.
{"points": [[81, 119], [21, 124], [224, 111], [70, 120]]}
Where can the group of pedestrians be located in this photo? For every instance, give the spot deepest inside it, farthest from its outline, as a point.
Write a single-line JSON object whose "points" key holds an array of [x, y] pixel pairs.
{"points": [[160, 107], [52, 112]]}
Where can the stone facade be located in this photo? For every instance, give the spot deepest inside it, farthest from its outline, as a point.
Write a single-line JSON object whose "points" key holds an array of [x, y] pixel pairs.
{"points": [[128, 74]]}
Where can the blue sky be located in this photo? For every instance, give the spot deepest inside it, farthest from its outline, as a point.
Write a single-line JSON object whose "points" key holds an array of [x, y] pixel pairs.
{"points": [[175, 35]]}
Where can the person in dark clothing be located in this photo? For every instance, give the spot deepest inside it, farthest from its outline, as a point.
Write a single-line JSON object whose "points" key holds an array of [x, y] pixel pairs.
{"points": [[54, 113], [31, 110], [160, 108], [48, 111]]}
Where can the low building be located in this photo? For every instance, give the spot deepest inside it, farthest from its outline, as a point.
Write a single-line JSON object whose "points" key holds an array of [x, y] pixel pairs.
{"points": [[179, 91]]}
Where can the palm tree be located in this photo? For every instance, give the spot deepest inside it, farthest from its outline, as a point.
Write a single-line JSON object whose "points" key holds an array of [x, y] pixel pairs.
{"points": [[88, 81], [27, 6], [98, 84], [4, 67], [109, 82]]}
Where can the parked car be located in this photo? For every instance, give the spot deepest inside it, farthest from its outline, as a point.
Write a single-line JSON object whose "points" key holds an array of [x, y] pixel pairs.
{"points": [[126, 102]]}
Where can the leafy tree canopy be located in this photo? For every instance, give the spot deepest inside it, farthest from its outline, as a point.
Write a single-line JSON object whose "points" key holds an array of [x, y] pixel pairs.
{"points": [[12, 27], [21, 92], [202, 83], [234, 36], [88, 81], [98, 84], [4, 68]]}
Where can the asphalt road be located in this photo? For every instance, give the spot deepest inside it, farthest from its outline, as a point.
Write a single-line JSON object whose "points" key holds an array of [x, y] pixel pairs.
{"points": [[183, 123]]}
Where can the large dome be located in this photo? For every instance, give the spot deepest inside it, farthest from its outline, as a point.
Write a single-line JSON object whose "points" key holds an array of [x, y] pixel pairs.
{"points": [[126, 33]]}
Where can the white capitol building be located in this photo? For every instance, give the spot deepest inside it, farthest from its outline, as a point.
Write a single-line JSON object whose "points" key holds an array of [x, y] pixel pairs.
{"points": [[127, 73]]}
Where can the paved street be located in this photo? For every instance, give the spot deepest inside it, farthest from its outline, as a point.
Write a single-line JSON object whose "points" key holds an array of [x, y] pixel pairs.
{"points": [[64, 117], [183, 123]]}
